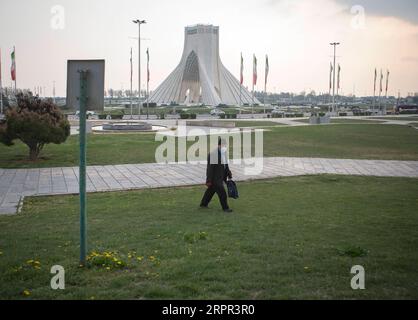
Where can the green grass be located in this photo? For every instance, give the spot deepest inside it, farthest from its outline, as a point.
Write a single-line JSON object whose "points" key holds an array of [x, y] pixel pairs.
{"points": [[284, 241], [346, 121], [384, 142], [411, 118], [256, 124], [380, 142]]}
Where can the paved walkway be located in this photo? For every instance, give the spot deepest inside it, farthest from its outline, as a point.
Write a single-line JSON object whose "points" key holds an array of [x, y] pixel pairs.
{"points": [[15, 184]]}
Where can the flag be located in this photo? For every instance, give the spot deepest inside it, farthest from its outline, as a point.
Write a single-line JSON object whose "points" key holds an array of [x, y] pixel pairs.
{"points": [[242, 70], [0, 74], [375, 80], [381, 81], [267, 68], [338, 81], [1, 88], [255, 71], [387, 82], [13, 68], [330, 76], [148, 74]]}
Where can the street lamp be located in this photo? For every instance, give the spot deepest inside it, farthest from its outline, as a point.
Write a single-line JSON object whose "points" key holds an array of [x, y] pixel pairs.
{"points": [[139, 22], [335, 44]]}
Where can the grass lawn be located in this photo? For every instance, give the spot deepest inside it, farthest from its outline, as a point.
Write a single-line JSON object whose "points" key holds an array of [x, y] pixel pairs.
{"points": [[289, 238], [346, 121], [385, 142], [255, 124], [411, 118]]}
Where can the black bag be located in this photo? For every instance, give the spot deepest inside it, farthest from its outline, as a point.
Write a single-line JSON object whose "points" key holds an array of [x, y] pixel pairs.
{"points": [[232, 189]]}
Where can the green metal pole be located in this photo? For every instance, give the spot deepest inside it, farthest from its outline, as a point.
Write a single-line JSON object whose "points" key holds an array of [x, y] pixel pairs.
{"points": [[82, 175]]}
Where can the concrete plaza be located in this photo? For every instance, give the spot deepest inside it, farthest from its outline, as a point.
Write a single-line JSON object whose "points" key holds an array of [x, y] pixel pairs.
{"points": [[15, 184]]}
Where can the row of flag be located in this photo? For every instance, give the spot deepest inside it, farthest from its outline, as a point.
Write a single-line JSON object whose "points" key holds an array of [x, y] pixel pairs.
{"points": [[255, 74], [381, 82], [338, 77]]}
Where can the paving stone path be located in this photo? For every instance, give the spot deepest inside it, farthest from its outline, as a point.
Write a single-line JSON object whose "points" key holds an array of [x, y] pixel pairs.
{"points": [[15, 184]]}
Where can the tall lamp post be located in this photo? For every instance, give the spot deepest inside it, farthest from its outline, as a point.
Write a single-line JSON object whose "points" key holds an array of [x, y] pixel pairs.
{"points": [[334, 44], [139, 22]]}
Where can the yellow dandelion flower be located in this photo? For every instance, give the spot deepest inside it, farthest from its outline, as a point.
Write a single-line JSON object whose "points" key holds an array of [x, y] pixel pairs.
{"points": [[26, 293]]}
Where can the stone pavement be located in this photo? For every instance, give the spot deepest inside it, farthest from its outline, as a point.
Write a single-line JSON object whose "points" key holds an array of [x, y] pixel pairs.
{"points": [[15, 184]]}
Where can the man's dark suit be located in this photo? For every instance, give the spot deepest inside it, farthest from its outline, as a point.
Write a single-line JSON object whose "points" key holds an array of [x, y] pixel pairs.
{"points": [[217, 173]]}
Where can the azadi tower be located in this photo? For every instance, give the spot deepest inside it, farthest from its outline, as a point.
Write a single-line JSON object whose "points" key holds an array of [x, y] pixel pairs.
{"points": [[200, 76]]}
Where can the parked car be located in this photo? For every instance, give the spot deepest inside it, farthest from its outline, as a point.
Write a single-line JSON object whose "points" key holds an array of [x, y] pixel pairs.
{"points": [[216, 112], [88, 113]]}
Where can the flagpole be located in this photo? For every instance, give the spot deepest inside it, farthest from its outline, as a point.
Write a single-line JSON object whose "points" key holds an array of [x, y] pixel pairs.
{"points": [[14, 50], [265, 95], [374, 90], [380, 89], [335, 44], [254, 79], [147, 83], [131, 87], [240, 87], [265, 83], [1, 89]]}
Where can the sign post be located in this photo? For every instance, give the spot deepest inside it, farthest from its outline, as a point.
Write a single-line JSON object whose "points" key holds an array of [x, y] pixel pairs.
{"points": [[82, 174]]}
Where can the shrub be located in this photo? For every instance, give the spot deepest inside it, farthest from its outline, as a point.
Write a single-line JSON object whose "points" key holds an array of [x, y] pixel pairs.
{"points": [[36, 123], [151, 105], [184, 116], [193, 116]]}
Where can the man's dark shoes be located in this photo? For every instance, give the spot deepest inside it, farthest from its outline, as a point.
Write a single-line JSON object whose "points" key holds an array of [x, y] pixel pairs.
{"points": [[203, 207], [228, 211]]}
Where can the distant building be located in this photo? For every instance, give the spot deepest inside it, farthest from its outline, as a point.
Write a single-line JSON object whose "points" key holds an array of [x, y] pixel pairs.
{"points": [[200, 77]]}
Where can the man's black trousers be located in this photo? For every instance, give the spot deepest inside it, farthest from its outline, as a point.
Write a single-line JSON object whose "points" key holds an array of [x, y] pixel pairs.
{"points": [[220, 191]]}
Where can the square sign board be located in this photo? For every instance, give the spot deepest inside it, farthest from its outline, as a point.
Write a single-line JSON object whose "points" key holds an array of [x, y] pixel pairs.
{"points": [[95, 83]]}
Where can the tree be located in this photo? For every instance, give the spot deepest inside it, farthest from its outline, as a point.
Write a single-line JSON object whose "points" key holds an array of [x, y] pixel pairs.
{"points": [[35, 122]]}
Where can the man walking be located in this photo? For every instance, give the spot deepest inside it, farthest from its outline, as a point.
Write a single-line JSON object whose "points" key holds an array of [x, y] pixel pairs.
{"points": [[216, 174]]}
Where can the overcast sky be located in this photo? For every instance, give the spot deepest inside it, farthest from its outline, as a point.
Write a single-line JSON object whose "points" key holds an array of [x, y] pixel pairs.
{"points": [[295, 33]]}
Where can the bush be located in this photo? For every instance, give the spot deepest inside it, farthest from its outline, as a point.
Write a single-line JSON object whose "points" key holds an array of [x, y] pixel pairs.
{"points": [[36, 123], [116, 115], [342, 114], [151, 105], [184, 116], [193, 116], [222, 116]]}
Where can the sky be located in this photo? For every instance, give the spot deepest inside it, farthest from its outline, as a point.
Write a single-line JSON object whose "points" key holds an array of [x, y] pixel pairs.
{"points": [[296, 34]]}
